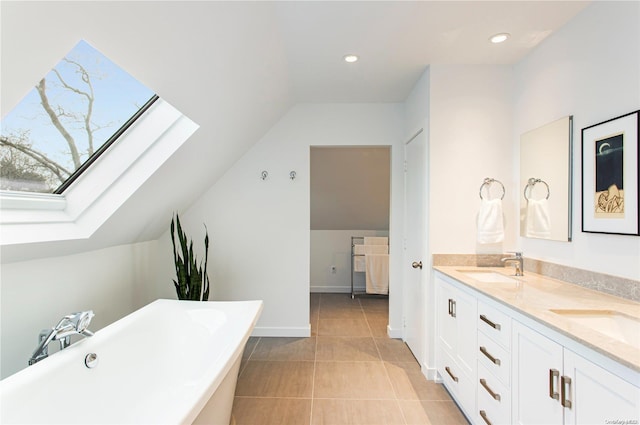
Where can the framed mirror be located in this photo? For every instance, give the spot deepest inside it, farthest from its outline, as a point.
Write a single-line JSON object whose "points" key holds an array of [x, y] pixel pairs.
{"points": [[546, 182]]}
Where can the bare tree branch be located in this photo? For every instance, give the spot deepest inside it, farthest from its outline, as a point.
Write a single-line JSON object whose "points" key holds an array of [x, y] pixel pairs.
{"points": [[41, 87], [60, 172], [90, 98]]}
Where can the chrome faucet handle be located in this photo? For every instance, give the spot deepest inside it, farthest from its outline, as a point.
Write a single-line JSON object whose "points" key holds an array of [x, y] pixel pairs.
{"points": [[72, 324], [44, 334], [65, 342], [518, 261], [42, 351], [86, 332]]}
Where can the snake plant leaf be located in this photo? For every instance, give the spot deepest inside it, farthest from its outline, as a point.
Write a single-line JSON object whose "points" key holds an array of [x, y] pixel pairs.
{"points": [[205, 282], [192, 281]]}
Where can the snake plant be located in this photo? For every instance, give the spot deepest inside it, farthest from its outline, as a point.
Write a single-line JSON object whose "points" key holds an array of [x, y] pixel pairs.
{"points": [[192, 281]]}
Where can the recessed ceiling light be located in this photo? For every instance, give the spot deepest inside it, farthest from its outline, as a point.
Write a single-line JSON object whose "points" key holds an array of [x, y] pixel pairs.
{"points": [[499, 38], [351, 58]]}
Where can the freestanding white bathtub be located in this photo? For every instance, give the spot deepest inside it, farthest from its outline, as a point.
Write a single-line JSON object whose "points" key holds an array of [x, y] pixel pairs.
{"points": [[171, 362]]}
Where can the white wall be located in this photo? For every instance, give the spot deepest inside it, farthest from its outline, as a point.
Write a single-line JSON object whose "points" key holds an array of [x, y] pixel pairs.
{"points": [[260, 230], [590, 69], [470, 139], [333, 248], [36, 294]]}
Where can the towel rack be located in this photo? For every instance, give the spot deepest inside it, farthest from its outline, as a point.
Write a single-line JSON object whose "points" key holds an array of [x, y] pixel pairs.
{"points": [[361, 240], [531, 183], [487, 182]]}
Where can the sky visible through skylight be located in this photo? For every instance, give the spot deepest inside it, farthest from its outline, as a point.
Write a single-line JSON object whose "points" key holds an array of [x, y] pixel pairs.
{"points": [[78, 106]]}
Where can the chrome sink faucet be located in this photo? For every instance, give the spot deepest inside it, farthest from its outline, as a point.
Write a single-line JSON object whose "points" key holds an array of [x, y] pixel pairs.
{"points": [[518, 262], [73, 324]]}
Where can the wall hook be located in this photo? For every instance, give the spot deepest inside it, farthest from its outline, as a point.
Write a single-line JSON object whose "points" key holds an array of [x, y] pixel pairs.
{"points": [[292, 175], [264, 175]]}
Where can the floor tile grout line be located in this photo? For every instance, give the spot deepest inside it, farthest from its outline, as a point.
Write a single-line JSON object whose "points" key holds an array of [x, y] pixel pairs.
{"points": [[273, 397], [246, 363], [345, 398], [393, 388], [315, 359], [386, 372]]}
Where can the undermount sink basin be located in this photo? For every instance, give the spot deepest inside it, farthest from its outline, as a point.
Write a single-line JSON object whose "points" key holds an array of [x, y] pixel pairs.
{"points": [[487, 276], [612, 323]]}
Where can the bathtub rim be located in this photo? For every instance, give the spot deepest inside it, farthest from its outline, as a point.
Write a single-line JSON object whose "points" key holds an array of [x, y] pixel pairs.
{"points": [[185, 412]]}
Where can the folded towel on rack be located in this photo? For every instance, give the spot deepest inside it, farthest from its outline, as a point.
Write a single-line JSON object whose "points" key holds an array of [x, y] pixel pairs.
{"points": [[538, 221], [490, 222], [376, 240], [377, 273], [359, 263], [370, 249]]}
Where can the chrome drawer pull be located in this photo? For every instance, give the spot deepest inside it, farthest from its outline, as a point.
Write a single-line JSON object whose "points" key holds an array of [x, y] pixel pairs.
{"points": [[489, 356], [553, 380], [455, 378], [489, 390], [450, 306], [564, 381], [495, 326], [484, 416]]}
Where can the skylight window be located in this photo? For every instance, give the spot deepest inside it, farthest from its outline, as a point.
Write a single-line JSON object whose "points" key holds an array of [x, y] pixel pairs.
{"points": [[67, 120]]}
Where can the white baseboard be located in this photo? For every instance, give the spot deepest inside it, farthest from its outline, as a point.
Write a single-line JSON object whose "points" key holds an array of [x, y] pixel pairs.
{"points": [[395, 333], [304, 331], [334, 289], [430, 373]]}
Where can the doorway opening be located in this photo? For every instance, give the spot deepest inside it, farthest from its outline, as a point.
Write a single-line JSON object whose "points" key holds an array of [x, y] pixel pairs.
{"points": [[350, 197]]}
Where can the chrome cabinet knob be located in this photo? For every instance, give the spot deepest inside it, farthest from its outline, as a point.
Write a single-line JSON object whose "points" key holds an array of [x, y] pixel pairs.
{"points": [[416, 264]]}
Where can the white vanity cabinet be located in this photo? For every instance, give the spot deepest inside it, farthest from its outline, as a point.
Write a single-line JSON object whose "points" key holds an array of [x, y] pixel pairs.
{"points": [[554, 385], [503, 367], [456, 324]]}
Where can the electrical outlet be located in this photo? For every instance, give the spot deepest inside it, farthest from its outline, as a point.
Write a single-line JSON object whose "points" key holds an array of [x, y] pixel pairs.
{"points": [[333, 269]]}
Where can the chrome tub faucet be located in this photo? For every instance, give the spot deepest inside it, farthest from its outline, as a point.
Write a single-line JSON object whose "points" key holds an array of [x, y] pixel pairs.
{"points": [[73, 324], [518, 262]]}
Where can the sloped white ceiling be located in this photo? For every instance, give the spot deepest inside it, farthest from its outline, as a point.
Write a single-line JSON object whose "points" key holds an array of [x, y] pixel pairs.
{"points": [[236, 67]]}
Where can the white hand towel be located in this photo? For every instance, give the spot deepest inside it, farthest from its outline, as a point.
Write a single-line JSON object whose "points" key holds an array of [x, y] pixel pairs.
{"points": [[370, 249], [538, 219], [490, 222], [377, 240], [377, 276], [359, 263]]}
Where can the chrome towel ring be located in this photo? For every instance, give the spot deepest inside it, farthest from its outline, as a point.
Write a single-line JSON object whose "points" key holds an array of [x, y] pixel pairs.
{"points": [[487, 182], [531, 183]]}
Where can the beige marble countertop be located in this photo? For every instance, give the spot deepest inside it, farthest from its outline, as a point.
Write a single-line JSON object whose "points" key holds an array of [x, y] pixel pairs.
{"points": [[535, 295]]}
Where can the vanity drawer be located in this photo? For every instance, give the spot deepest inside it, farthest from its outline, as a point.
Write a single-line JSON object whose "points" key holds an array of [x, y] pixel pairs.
{"points": [[495, 324], [494, 399], [458, 383], [494, 357]]}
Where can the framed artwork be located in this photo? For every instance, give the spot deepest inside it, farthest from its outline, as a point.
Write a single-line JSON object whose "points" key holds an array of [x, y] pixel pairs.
{"points": [[610, 201]]}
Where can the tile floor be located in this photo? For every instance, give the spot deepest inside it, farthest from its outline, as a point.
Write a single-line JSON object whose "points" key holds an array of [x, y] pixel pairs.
{"points": [[347, 372]]}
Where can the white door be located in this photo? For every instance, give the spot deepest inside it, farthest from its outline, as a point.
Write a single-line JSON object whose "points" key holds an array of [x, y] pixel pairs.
{"points": [[416, 263]]}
